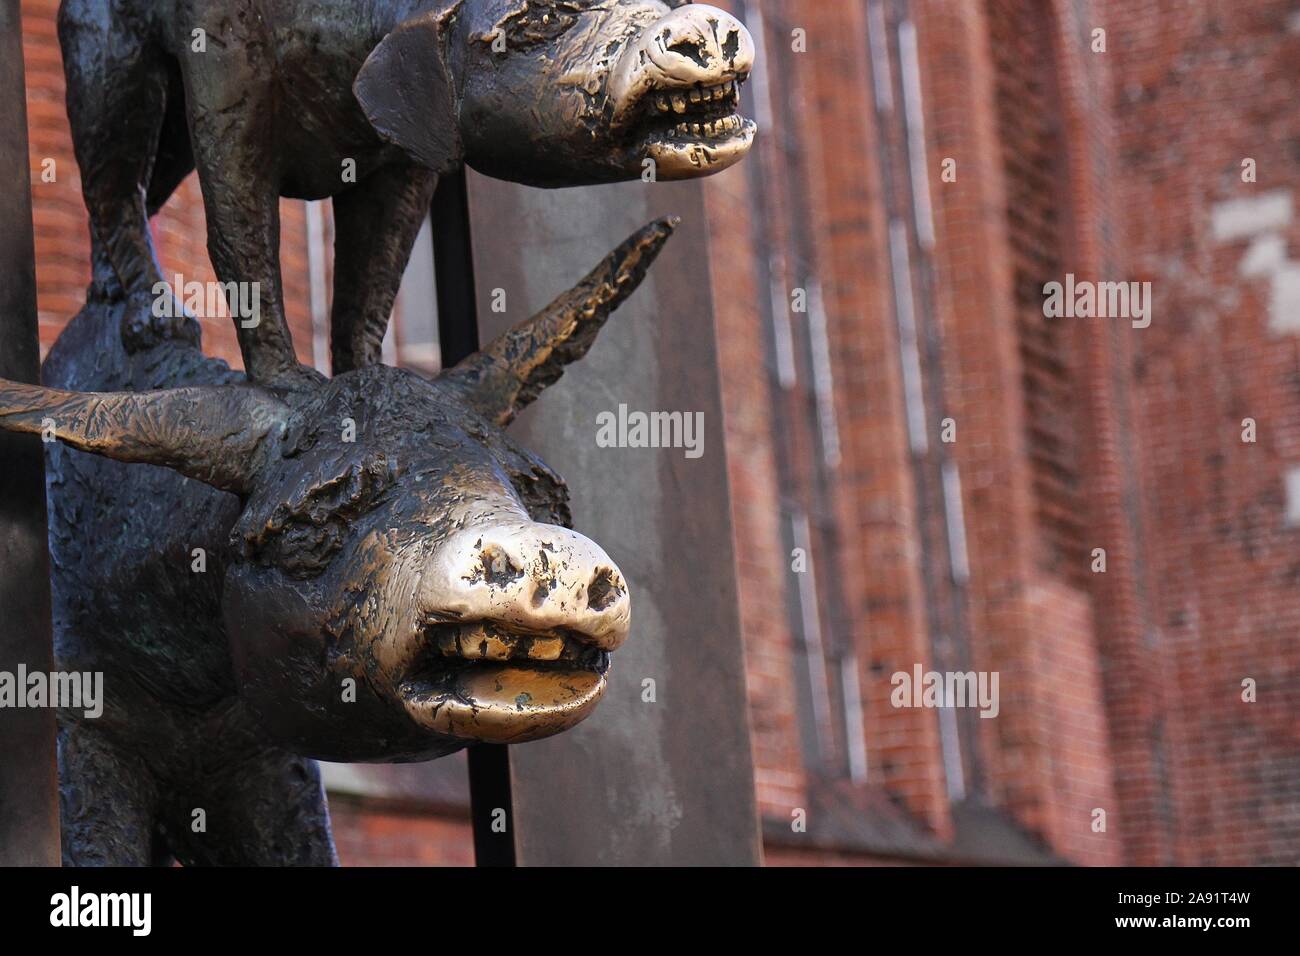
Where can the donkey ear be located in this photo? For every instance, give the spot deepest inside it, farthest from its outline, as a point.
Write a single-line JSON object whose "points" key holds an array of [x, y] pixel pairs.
{"points": [[508, 373], [406, 92], [215, 434]]}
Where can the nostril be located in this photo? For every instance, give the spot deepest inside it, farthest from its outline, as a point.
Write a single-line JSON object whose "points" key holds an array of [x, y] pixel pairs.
{"points": [[496, 568], [693, 50], [603, 590], [731, 46]]}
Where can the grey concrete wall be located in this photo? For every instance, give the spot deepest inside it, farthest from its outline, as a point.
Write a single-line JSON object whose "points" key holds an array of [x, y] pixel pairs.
{"points": [[669, 781]]}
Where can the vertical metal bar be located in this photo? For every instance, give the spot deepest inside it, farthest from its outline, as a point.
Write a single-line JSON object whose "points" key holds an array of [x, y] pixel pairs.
{"points": [[29, 791], [491, 806], [453, 264], [489, 764]]}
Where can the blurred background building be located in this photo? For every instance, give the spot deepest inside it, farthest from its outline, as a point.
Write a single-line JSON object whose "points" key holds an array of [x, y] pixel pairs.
{"points": [[927, 470]]}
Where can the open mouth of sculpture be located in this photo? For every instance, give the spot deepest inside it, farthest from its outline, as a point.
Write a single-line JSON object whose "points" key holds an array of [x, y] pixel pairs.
{"points": [[701, 117], [495, 682]]}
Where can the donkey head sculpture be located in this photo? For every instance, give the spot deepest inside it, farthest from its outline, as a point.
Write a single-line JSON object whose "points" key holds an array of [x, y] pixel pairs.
{"points": [[393, 536]]}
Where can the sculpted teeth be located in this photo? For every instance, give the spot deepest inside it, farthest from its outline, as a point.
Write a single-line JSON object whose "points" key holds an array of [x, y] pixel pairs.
{"points": [[504, 647], [726, 126], [679, 102], [546, 648]]}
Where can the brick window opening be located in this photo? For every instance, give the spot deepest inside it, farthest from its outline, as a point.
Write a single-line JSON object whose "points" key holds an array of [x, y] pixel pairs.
{"points": [[1033, 162]]}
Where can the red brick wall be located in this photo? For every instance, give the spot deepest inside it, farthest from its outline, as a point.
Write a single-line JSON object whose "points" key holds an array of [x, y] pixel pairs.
{"points": [[1121, 690], [877, 498], [368, 835], [762, 566], [1044, 759], [1205, 86], [761, 563]]}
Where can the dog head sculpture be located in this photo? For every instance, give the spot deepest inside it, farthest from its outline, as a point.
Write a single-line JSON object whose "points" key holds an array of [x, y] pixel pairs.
{"points": [[564, 92]]}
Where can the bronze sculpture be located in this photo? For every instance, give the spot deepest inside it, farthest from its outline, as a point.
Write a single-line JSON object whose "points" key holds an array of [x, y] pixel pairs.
{"points": [[384, 575], [395, 597], [369, 102]]}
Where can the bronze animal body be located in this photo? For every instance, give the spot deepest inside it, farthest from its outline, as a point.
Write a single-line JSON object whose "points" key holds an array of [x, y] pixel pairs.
{"points": [[276, 568], [368, 102], [386, 576]]}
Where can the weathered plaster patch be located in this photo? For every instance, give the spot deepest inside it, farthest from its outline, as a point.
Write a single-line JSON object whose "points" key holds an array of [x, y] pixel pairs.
{"points": [[1265, 255], [1293, 497], [1241, 218], [1264, 219], [1284, 304]]}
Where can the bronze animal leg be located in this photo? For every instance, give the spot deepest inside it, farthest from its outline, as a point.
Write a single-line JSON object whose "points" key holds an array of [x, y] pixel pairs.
{"points": [[376, 225], [117, 91], [106, 801], [232, 116], [266, 810]]}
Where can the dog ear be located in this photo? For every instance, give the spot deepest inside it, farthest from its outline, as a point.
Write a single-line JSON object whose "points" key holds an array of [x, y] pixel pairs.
{"points": [[406, 92]]}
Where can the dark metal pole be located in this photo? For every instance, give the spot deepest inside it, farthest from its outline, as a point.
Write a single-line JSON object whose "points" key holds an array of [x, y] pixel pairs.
{"points": [[489, 765], [29, 801]]}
